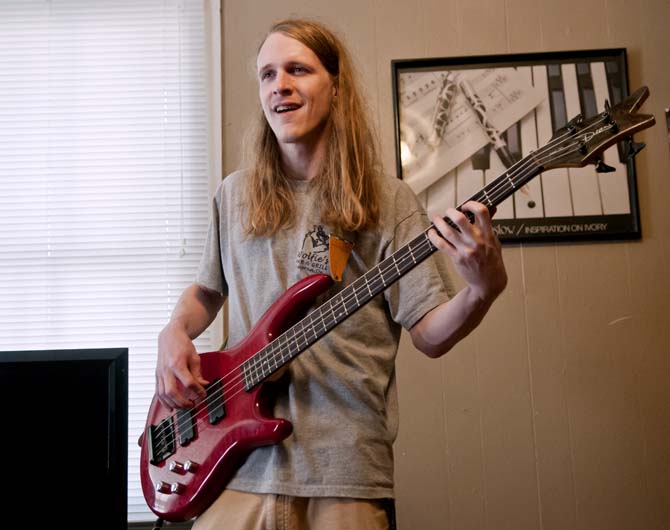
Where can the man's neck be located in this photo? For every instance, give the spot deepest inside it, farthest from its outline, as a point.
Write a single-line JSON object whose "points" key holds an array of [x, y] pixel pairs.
{"points": [[303, 162]]}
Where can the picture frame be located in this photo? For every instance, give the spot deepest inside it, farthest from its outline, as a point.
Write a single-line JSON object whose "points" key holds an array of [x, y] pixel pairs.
{"points": [[446, 149]]}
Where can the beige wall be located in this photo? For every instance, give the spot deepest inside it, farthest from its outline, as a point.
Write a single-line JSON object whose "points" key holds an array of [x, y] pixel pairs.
{"points": [[555, 413]]}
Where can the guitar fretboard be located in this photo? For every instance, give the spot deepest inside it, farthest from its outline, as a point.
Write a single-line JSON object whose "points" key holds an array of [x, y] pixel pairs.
{"points": [[332, 312], [341, 306]]}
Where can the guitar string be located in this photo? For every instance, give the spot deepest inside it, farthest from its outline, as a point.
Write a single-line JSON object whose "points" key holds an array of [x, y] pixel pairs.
{"points": [[500, 182], [277, 343]]}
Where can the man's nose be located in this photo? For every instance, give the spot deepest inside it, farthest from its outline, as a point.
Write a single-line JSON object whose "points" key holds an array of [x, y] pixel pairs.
{"points": [[282, 84]]}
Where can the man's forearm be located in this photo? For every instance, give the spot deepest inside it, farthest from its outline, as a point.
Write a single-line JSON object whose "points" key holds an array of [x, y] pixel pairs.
{"points": [[445, 325], [196, 309]]}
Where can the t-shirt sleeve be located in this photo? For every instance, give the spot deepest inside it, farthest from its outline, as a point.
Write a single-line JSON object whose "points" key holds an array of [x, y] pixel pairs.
{"points": [[210, 270], [429, 283]]}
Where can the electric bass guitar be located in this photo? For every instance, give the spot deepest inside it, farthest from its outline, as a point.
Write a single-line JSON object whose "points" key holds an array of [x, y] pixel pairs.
{"points": [[188, 456]]}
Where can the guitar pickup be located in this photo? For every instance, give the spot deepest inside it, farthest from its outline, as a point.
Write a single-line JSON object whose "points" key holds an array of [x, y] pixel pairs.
{"points": [[185, 425], [161, 441], [216, 407]]}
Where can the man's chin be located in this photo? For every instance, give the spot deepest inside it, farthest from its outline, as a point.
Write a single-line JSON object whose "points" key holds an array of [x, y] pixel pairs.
{"points": [[290, 138], [298, 136]]}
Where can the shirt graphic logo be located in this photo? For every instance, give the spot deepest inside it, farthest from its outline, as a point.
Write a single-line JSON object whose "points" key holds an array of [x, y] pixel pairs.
{"points": [[313, 256]]}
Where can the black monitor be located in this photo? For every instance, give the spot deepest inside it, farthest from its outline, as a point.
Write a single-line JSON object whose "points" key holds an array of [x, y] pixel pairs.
{"points": [[64, 438]]}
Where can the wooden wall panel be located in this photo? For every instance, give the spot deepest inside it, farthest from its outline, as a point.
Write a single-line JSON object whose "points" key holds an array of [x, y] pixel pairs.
{"points": [[549, 381], [465, 442], [595, 297], [524, 28], [394, 33], [508, 445], [424, 456], [573, 24], [480, 27]]}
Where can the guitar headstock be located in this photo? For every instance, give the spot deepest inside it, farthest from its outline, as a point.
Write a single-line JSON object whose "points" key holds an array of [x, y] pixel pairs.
{"points": [[582, 141]]}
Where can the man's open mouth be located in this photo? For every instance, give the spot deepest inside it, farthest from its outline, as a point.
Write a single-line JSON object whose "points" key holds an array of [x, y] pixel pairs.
{"points": [[280, 109]]}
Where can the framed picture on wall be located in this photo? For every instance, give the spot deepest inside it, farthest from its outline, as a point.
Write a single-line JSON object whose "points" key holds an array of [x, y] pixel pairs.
{"points": [[460, 122]]}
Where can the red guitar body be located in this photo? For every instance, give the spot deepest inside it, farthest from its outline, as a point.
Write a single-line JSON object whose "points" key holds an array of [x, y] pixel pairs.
{"points": [[186, 479]]}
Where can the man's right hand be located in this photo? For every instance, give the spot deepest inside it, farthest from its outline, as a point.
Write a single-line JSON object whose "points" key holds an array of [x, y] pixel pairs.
{"points": [[179, 382]]}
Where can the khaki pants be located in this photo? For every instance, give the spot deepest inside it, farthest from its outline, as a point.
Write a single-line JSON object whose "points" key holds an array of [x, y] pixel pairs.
{"points": [[235, 510]]}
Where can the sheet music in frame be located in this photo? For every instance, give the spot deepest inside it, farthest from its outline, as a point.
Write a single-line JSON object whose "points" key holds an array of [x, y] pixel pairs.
{"points": [[439, 129]]}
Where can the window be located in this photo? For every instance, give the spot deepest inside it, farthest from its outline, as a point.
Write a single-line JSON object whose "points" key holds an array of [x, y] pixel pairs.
{"points": [[109, 153]]}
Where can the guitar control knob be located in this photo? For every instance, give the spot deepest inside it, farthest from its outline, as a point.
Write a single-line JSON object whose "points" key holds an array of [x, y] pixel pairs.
{"points": [[177, 467], [191, 466], [177, 488], [163, 487]]}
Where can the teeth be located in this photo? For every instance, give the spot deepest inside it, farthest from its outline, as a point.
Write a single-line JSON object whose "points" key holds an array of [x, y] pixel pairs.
{"points": [[284, 108]]}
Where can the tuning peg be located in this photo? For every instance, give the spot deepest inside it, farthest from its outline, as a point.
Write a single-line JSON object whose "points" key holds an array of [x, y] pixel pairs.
{"points": [[575, 122], [582, 148], [601, 167], [609, 120], [633, 147]]}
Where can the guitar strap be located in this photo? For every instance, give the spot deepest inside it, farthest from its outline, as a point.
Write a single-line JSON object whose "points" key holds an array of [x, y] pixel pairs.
{"points": [[341, 244]]}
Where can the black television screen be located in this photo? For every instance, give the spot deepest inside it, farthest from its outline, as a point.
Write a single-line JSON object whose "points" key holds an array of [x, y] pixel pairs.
{"points": [[64, 438]]}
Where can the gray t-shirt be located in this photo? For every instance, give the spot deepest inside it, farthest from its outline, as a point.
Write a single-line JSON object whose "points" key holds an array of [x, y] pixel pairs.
{"points": [[341, 397]]}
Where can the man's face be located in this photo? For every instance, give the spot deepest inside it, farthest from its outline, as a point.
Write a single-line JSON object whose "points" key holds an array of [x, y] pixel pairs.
{"points": [[295, 90]]}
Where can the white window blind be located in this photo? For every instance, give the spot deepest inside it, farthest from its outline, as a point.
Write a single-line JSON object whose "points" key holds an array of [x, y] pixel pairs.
{"points": [[105, 165]]}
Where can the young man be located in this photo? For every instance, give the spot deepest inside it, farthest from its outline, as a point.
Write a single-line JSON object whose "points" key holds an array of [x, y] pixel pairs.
{"points": [[315, 173]]}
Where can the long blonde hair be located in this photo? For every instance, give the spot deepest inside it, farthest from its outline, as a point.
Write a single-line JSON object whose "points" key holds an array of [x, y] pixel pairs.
{"points": [[349, 180]]}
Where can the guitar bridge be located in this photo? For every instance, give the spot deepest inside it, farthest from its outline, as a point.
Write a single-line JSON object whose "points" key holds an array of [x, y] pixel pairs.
{"points": [[161, 440]]}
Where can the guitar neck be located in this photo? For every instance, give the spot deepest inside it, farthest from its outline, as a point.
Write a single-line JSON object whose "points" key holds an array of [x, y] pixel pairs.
{"points": [[319, 322], [508, 182]]}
